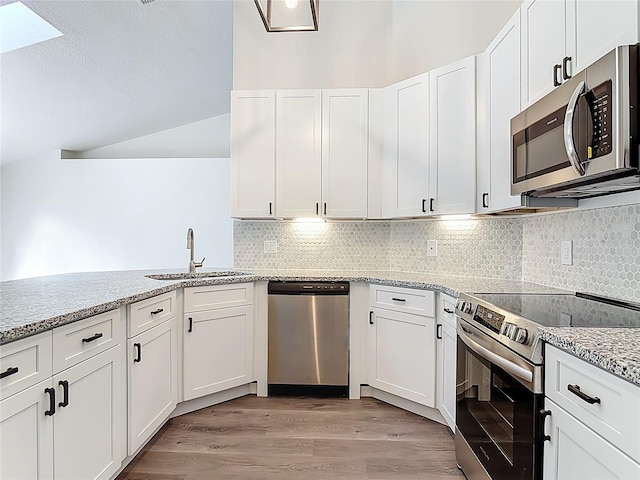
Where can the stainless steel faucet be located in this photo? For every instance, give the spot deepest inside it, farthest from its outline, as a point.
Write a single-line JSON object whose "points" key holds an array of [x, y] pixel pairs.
{"points": [[191, 246]]}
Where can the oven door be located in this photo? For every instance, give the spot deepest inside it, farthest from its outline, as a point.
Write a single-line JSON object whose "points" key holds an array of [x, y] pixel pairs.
{"points": [[496, 411]]}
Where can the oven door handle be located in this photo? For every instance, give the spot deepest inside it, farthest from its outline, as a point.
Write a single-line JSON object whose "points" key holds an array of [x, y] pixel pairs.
{"points": [[569, 144], [506, 365]]}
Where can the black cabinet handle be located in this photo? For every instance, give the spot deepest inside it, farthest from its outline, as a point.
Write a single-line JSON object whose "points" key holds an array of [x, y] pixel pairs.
{"points": [[575, 389], [424, 205], [52, 401], [190, 329], [317, 208], [155, 312], [270, 208], [556, 82], [138, 348], [9, 371], [431, 204], [65, 393], [91, 339], [448, 310], [371, 317], [439, 331], [544, 414], [485, 200], [565, 74], [398, 299], [325, 208]]}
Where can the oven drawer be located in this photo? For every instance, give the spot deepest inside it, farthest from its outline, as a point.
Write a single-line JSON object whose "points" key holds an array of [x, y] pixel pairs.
{"points": [[408, 300], [614, 415]]}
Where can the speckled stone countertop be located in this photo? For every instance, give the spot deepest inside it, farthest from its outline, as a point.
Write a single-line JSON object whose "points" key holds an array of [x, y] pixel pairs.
{"points": [[616, 350], [35, 305]]}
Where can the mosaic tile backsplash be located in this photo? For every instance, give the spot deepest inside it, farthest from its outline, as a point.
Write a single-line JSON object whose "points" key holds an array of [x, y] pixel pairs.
{"points": [[606, 248], [606, 251]]}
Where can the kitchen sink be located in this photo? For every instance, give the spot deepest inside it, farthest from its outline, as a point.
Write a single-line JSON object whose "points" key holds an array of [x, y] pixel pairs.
{"points": [[196, 275]]}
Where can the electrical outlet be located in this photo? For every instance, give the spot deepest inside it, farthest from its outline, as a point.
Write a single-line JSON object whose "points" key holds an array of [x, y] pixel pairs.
{"points": [[270, 246], [567, 252], [432, 248]]}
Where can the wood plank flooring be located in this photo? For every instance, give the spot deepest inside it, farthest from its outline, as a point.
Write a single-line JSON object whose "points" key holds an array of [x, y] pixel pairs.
{"points": [[297, 438]]}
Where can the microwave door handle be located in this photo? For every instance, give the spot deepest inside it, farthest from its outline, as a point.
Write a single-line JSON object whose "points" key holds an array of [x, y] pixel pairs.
{"points": [[496, 359], [569, 144]]}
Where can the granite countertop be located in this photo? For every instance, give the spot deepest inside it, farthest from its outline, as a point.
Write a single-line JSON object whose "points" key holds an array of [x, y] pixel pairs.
{"points": [[35, 305], [616, 350]]}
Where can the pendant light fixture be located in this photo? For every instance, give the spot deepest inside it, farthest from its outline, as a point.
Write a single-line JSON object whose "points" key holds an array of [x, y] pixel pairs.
{"points": [[289, 15]]}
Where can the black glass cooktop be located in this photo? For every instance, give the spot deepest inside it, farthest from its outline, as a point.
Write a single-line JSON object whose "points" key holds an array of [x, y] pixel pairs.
{"points": [[579, 310]]}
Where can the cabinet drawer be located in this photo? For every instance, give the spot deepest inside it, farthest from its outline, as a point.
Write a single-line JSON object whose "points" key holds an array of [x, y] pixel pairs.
{"points": [[150, 312], [409, 300], [210, 297], [25, 363], [78, 341], [615, 417]]}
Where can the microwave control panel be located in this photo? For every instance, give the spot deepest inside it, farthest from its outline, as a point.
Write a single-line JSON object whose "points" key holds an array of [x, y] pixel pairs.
{"points": [[599, 101]]}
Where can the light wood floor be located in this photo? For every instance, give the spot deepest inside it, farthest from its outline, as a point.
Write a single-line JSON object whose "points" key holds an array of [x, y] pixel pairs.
{"points": [[297, 438]]}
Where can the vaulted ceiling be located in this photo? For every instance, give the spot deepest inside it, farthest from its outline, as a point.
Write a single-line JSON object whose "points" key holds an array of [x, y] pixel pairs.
{"points": [[123, 69]]}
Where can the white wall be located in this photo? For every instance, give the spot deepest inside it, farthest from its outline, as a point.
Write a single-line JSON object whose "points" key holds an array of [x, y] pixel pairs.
{"points": [[60, 216], [363, 43]]}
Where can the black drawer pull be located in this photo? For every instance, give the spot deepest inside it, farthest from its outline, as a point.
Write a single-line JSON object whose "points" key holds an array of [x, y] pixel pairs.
{"points": [[371, 317], [424, 205], [52, 401], [544, 414], [65, 392], [398, 299], [575, 389], [190, 329], [556, 69], [9, 371], [439, 331], [270, 208], [448, 310], [91, 339], [431, 200], [138, 353], [485, 200], [565, 69], [155, 312]]}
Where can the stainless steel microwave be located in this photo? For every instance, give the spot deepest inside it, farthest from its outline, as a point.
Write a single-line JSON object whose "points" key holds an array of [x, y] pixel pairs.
{"points": [[582, 139]]}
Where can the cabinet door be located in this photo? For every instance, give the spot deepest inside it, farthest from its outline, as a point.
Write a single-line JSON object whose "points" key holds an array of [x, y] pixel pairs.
{"points": [[153, 381], [91, 414], [345, 119], [26, 435], [253, 154], [298, 153], [403, 355], [596, 27], [453, 138], [448, 345], [502, 59], [406, 159], [575, 452], [218, 350], [543, 46]]}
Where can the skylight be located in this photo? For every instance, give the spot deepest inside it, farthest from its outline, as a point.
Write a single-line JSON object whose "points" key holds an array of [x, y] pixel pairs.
{"points": [[21, 27]]}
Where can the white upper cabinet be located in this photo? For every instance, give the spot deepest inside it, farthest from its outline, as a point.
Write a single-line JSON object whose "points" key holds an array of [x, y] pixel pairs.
{"points": [[406, 159], [498, 102], [562, 37], [298, 153], [345, 117], [595, 27], [253, 153], [453, 138]]}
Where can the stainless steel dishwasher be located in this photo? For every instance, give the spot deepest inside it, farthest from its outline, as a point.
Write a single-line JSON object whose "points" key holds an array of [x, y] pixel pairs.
{"points": [[308, 338]]}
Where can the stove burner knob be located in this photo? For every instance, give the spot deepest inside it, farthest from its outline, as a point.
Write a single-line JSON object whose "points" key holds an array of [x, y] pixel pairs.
{"points": [[520, 335]]}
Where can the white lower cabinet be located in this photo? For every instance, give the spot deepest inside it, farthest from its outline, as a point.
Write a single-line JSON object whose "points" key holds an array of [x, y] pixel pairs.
{"points": [[152, 364], [26, 435], [218, 350], [575, 452], [447, 338], [403, 348]]}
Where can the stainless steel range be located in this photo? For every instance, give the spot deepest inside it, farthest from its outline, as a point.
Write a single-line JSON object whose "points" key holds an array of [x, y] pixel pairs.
{"points": [[500, 374]]}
